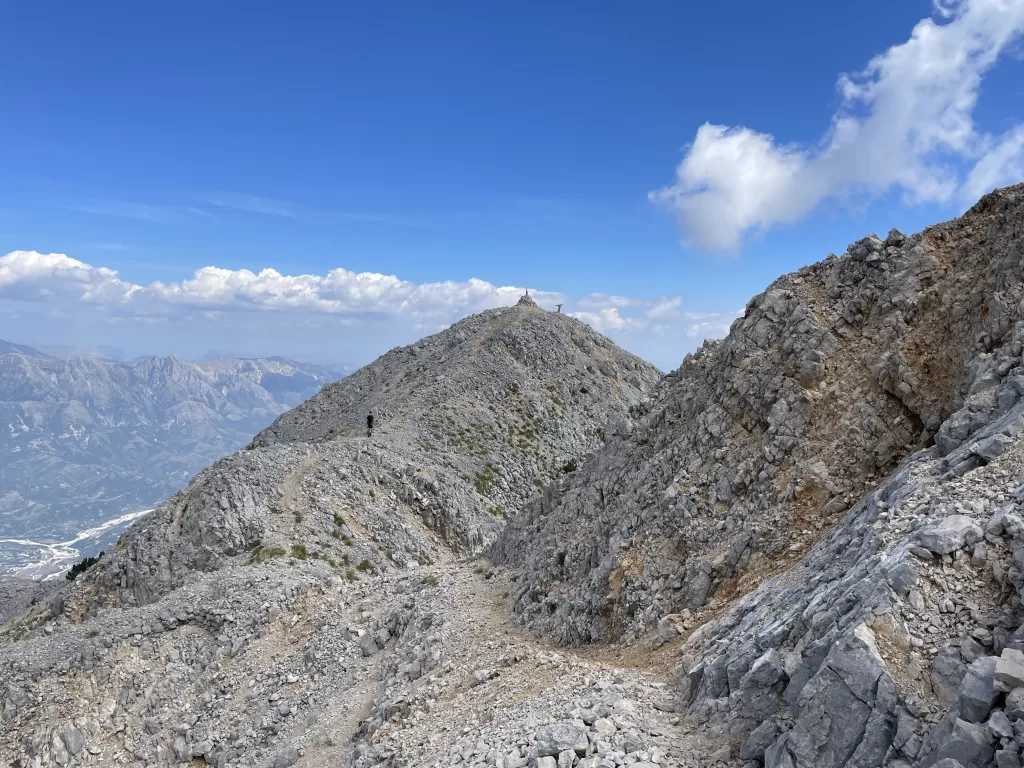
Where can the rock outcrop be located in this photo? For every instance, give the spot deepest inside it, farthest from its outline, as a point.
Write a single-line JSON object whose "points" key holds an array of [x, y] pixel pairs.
{"points": [[824, 510]]}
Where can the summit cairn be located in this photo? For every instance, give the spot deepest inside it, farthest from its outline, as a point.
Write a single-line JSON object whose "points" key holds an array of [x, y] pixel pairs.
{"points": [[526, 301]]}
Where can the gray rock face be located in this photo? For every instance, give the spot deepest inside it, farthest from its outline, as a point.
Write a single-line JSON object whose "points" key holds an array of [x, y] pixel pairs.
{"points": [[847, 711], [738, 463], [758, 443]]}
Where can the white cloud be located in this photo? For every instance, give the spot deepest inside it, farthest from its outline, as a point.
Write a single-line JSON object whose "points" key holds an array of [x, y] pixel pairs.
{"points": [[906, 122], [228, 302], [32, 276], [663, 314]]}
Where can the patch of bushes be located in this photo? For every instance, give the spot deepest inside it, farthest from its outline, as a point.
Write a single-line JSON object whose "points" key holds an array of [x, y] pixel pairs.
{"points": [[570, 466], [485, 479], [430, 579], [81, 567], [366, 566], [299, 551]]}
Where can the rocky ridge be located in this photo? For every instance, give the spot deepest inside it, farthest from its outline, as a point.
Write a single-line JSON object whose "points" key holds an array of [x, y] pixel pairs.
{"points": [[831, 609], [806, 549], [282, 609], [470, 423]]}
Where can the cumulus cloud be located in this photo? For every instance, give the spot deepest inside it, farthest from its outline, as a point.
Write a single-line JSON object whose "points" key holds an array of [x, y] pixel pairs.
{"points": [[659, 320], [905, 122], [230, 302], [32, 276]]}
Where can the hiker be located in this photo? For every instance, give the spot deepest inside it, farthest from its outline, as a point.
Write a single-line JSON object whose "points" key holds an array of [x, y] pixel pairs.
{"points": [[369, 424]]}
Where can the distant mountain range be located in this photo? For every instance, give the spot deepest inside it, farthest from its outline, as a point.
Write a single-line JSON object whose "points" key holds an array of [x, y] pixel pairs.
{"points": [[86, 441], [7, 348]]}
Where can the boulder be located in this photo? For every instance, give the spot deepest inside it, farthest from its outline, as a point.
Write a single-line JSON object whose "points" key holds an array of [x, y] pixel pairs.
{"points": [[558, 737], [1009, 670], [953, 533], [977, 692]]}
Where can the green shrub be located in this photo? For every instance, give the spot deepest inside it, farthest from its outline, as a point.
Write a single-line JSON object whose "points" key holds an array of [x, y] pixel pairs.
{"points": [[350, 574], [366, 565], [430, 579], [299, 551], [570, 466], [81, 567], [338, 520], [485, 479]]}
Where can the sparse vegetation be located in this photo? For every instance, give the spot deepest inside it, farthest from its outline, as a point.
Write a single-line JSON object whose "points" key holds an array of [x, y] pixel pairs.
{"points": [[570, 466], [298, 516], [498, 511], [263, 553], [485, 479], [430, 579], [350, 574], [299, 551], [338, 520], [82, 566], [366, 566]]}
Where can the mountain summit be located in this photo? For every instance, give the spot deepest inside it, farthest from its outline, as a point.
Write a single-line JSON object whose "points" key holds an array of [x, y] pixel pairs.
{"points": [[469, 424]]}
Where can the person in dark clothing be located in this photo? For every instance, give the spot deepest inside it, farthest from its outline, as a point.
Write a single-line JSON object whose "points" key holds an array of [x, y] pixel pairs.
{"points": [[369, 424]]}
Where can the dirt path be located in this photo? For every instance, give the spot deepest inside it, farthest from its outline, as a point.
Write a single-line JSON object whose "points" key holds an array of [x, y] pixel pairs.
{"points": [[500, 684]]}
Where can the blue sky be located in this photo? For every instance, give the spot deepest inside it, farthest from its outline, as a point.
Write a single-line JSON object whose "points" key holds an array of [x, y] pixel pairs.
{"points": [[528, 144]]}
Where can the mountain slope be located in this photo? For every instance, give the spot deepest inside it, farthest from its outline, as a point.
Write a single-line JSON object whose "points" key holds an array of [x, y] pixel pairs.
{"points": [[317, 572], [86, 441], [714, 519], [471, 422]]}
